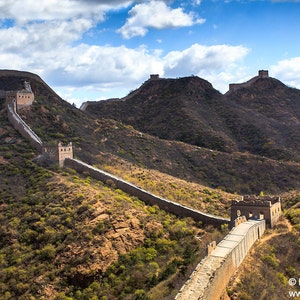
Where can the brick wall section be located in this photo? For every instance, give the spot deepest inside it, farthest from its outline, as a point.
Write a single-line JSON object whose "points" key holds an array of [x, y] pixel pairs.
{"points": [[22, 127], [265, 207], [148, 198], [213, 273]]}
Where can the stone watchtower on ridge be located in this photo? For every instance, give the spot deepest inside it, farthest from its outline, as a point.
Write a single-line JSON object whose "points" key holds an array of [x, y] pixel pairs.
{"points": [[58, 152], [23, 98], [16, 100], [236, 86], [154, 76], [257, 208], [263, 73]]}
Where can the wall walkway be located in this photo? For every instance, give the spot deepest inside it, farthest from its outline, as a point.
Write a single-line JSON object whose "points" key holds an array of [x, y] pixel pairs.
{"points": [[147, 197], [212, 274], [22, 127]]}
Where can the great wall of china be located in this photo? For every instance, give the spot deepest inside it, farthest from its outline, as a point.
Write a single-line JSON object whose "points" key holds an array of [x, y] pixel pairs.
{"points": [[147, 197], [211, 276]]}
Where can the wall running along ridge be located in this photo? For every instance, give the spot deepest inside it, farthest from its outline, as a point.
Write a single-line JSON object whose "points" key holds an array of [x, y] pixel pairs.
{"points": [[148, 198], [22, 127], [212, 274]]}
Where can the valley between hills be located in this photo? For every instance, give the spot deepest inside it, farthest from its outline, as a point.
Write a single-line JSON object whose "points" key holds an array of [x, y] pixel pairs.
{"points": [[68, 236]]}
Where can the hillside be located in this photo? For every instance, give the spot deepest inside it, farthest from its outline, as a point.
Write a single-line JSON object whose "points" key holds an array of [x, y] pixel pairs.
{"points": [[66, 236], [54, 119], [185, 109], [262, 119], [273, 261]]}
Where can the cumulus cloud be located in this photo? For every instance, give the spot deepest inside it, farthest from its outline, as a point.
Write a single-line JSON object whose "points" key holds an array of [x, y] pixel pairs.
{"points": [[155, 14], [47, 39], [104, 65], [288, 71], [41, 37], [209, 62], [23, 11]]}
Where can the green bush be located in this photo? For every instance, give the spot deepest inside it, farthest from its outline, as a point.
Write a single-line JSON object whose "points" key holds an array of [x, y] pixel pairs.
{"points": [[48, 252]]}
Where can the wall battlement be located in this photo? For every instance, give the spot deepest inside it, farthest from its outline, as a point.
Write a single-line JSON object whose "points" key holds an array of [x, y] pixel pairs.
{"points": [[213, 273], [252, 207], [251, 203], [272, 199]]}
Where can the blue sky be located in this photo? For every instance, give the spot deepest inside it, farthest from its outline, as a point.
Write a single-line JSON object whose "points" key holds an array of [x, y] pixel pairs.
{"points": [[98, 49]]}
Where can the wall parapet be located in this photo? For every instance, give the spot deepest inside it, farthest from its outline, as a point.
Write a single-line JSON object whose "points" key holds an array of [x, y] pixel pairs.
{"points": [[54, 152], [149, 198], [251, 203], [22, 127], [213, 273]]}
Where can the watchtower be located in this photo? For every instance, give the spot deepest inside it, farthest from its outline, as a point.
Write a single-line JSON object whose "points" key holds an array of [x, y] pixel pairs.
{"points": [[64, 152], [58, 153], [23, 98], [263, 73], [154, 76], [257, 208]]}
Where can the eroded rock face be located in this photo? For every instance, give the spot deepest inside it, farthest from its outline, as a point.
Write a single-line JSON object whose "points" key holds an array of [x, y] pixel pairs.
{"points": [[117, 236]]}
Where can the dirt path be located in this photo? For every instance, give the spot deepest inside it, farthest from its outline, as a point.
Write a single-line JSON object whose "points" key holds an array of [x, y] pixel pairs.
{"points": [[277, 232]]}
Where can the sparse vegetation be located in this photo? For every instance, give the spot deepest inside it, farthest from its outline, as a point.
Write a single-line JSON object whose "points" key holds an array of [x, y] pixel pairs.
{"points": [[66, 236], [273, 261], [51, 226]]}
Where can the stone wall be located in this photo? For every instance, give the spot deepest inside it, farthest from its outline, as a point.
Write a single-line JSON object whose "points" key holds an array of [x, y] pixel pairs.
{"points": [[213, 273], [23, 98], [22, 127], [148, 198], [265, 207]]}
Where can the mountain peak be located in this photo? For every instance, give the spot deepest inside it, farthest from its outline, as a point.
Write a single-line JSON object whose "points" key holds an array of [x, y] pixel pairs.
{"points": [[175, 85], [262, 82]]}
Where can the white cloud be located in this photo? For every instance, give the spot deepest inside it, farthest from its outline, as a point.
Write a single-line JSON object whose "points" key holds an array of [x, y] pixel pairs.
{"points": [[288, 71], [155, 14], [214, 63], [24, 11], [44, 36], [103, 66], [197, 2], [46, 40]]}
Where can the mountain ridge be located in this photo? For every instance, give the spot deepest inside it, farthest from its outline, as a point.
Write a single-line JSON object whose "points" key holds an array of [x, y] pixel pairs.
{"points": [[53, 119], [250, 118], [65, 235]]}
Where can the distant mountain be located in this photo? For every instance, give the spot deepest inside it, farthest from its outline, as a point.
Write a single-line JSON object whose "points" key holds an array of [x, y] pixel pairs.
{"points": [[261, 117], [188, 109]]}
